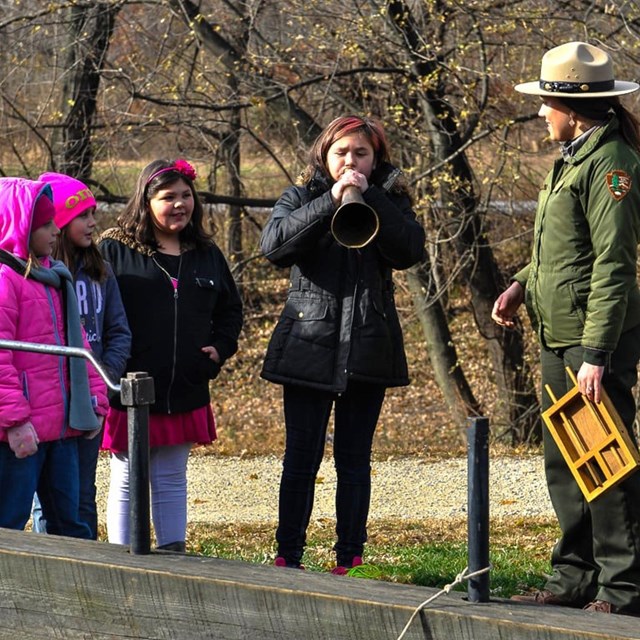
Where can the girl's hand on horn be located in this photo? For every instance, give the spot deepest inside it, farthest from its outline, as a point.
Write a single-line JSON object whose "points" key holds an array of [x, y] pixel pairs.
{"points": [[349, 178]]}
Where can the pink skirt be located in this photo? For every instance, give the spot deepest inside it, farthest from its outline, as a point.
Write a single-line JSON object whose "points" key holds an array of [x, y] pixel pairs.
{"points": [[197, 426]]}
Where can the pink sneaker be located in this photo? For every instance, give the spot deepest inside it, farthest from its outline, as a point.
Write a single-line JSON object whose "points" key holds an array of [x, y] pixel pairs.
{"points": [[281, 562], [342, 571]]}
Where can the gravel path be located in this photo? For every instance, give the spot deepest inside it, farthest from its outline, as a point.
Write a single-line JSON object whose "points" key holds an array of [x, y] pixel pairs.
{"points": [[223, 490]]}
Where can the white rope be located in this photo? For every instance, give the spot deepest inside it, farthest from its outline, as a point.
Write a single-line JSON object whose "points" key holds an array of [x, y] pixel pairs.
{"points": [[463, 575]]}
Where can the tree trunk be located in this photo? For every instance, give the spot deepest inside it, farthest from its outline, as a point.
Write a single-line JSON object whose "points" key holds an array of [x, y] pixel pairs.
{"points": [[516, 407], [232, 158], [477, 264], [440, 347], [86, 54]]}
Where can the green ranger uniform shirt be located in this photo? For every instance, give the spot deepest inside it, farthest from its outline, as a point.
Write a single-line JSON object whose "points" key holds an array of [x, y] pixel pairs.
{"points": [[580, 285]]}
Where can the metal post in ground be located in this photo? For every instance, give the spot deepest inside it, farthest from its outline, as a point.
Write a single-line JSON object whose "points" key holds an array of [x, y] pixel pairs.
{"points": [[478, 507], [137, 393]]}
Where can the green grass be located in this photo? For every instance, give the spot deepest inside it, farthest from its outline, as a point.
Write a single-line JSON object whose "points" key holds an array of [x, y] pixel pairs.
{"points": [[438, 565], [428, 554]]}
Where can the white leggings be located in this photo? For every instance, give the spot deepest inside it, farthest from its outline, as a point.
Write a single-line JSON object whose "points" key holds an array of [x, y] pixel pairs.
{"points": [[168, 476]]}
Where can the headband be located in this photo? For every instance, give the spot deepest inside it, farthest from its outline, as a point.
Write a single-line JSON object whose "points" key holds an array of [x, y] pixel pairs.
{"points": [[180, 166]]}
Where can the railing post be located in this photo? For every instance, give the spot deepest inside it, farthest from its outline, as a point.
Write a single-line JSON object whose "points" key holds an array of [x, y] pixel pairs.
{"points": [[478, 507], [137, 393]]}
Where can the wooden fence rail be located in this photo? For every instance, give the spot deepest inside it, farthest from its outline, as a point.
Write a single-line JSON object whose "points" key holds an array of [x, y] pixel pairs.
{"points": [[62, 588]]}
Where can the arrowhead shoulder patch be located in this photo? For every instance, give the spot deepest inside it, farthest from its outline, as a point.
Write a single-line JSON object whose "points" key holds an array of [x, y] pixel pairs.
{"points": [[618, 183]]}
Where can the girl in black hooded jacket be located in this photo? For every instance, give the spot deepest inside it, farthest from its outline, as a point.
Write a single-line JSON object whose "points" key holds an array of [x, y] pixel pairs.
{"points": [[185, 315], [338, 343]]}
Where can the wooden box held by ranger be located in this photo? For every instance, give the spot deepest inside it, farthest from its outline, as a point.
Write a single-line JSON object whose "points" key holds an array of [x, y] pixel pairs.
{"points": [[593, 440]]}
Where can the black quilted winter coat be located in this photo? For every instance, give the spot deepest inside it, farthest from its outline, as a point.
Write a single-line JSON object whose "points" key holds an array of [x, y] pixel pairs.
{"points": [[340, 321]]}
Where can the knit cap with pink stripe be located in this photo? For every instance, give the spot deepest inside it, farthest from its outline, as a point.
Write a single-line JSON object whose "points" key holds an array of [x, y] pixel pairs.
{"points": [[70, 197]]}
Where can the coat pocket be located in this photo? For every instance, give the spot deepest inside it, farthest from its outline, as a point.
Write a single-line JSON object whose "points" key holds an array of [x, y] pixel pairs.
{"points": [[206, 283], [305, 310], [309, 320], [304, 342], [206, 294], [304, 321], [579, 302]]}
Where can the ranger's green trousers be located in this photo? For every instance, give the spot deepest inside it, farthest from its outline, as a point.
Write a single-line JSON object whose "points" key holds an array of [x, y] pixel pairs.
{"points": [[598, 554]]}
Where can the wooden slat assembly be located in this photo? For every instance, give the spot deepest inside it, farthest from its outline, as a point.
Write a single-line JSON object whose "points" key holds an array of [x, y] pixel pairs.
{"points": [[592, 439]]}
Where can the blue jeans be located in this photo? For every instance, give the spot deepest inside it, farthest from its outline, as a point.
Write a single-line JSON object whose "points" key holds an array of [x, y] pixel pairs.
{"points": [[88, 451], [53, 472], [307, 413]]}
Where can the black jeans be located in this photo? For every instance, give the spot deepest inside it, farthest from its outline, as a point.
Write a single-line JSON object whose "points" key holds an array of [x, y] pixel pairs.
{"points": [[307, 413], [598, 553]]}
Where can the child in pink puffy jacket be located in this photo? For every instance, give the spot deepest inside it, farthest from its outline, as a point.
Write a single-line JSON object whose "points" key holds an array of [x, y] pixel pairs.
{"points": [[46, 401]]}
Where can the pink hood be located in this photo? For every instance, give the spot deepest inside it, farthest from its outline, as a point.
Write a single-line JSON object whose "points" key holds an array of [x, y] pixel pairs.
{"points": [[17, 198], [33, 386]]}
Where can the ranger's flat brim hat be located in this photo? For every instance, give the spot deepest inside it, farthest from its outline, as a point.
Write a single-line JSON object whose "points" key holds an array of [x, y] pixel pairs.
{"points": [[577, 70]]}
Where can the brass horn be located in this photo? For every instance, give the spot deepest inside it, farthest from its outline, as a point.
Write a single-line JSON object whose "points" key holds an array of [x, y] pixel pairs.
{"points": [[355, 224]]}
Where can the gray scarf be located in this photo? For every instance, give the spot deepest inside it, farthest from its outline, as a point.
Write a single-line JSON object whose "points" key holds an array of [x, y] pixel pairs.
{"points": [[81, 413]]}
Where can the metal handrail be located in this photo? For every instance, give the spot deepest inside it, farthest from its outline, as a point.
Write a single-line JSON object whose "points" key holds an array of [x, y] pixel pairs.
{"points": [[59, 350], [136, 393]]}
